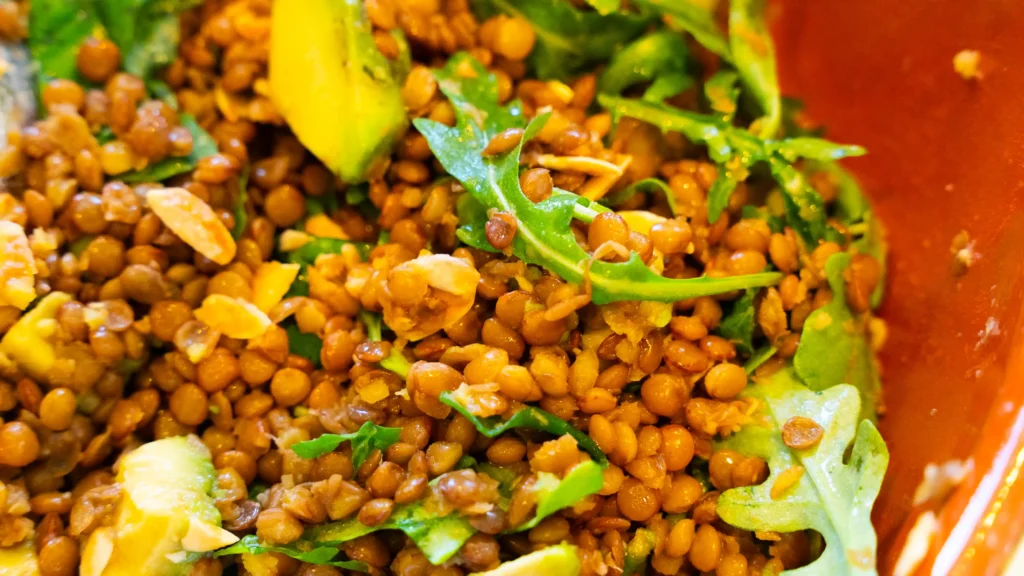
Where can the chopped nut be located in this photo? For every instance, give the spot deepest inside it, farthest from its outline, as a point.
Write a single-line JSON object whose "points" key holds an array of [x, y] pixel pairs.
{"points": [[194, 222], [581, 164], [271, 283], [233, 317], [17, 266], [966, 63]]}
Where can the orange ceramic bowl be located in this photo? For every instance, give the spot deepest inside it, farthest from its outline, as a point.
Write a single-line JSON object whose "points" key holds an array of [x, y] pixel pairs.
{"points": [[945, 155]]}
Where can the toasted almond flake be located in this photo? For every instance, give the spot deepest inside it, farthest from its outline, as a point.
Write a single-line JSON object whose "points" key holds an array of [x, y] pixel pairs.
{"points": [[596, 188], [374, 392], [940, 480], [321, 225], [204, 537], [98, 550], [561, 90], [271, 283], [292, 240], [285, 308], [310, 318], [641, 220], [228, 105], [448, 273], [566, 307], [17, 266], [581, 164], [43, 241], [767, 536], [194, 222], [233, 317]]}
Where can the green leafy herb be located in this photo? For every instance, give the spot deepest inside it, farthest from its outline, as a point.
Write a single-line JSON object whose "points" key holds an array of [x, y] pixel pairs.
{"points": [[569, 40], [396, 361], [637, 551], [364, 441], [854, 210], [605, 6], [306, 345], [722, 93], [655, 55], [553, 494], [835, 346], [738, 324], [105, 135], [323, 555], [438, 537], [531, 418], [647, 186], [256, 489], [758, 358], [56, 29], [695, 18], [203, 145], [241, 216], [146, 31], [833, 497], [736, 151], [543, 235], [754, 55]]}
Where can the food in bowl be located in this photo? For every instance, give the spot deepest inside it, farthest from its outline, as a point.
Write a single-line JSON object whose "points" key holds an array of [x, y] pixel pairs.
{"points": [[325, 286]]}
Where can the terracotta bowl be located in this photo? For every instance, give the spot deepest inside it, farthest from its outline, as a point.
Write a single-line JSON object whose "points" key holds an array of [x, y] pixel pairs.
{"points": [[945, 155]]}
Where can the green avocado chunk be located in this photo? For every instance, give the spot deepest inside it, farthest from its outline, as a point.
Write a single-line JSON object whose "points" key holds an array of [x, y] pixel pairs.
{"points": [[335, 89], [166, 511], [560, 560]]}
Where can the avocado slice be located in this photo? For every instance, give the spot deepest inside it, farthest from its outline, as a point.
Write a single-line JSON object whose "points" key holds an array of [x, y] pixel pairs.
{"points": [[20, 560], [560, 560], [335, 89], [166, 510], [28, 344]]}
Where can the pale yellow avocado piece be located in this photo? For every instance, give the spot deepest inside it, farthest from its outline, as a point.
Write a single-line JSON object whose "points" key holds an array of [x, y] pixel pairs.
{"points": [[19, 561], [560, 560], [28, 344], [166, 509], [333, 86]]}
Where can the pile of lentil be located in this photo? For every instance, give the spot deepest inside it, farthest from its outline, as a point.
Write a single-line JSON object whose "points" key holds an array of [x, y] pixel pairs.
{"points": [[144, 353]]}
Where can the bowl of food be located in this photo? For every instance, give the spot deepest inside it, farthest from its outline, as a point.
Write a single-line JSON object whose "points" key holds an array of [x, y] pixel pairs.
{"points": [[547, 287]]}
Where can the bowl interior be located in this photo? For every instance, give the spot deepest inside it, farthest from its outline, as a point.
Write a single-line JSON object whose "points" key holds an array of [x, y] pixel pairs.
{"points": [[945, 155]]}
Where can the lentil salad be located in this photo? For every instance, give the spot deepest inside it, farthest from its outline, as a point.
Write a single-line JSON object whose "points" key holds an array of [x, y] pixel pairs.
{"points": [[429, 288]]}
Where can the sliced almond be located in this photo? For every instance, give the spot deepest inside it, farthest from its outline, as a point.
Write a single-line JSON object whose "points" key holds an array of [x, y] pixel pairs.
{"points": [[271, 283], [204, 537], [321, 225], [233, 317], [194, 222], [98, 550], [17, 266], [291, 240], [581, 164]]}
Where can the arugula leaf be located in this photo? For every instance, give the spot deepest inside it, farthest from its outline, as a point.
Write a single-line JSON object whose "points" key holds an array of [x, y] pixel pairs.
{"points": [[241, 215], [722, 93], [667, 86], [754, 55], [322, 556], [648, 186], [738, 324], [396, 361], [256, 489], [554, 494], [203, 145], [654, 55], [56, 29], [694, 18], [831, 496], [438, 537], [835, 346], [758, 358], [637, 551], [854, 210], [146, 31], [368, 438], [605, 6], [531, 418], [736, 151], [543, 235], [306, 345], [569, 40]]}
